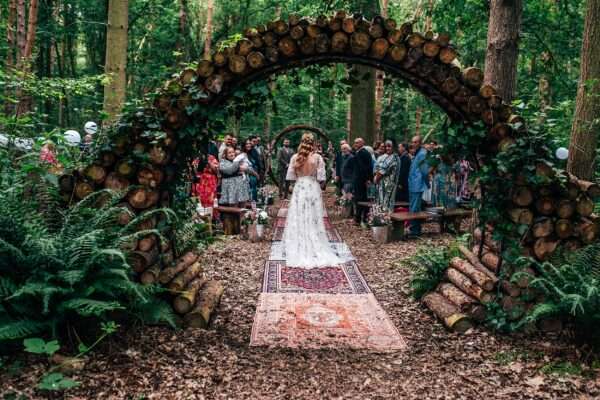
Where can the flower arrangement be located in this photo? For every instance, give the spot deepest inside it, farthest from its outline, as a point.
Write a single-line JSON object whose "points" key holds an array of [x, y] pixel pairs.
{"points": [[248, 218], [379, 216], [266, 195], [262, 217], [345, 200]]}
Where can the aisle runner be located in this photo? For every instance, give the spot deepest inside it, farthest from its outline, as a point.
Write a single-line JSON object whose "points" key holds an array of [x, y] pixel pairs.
{"points": [[319, 307]]}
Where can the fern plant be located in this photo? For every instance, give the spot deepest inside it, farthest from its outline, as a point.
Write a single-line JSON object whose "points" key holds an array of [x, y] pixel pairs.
{"points": [[429, 266], [73, 273], [571, 289]]}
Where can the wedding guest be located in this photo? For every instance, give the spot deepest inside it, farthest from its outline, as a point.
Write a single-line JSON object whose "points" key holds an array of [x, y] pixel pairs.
{"points": [[404, 162], [347, 168], [379, 149], [363, 174], [338, 165], [207, 176], [445, 183], [251, 173], [255, 155], [235, 190], [227, 142], [284, 155], [386, 177], [418, 182]]}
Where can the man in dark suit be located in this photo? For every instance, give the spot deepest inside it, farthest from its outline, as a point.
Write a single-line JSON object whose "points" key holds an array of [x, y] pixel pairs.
{"points": [[402, 191], [284, 155], [363, 174], [339, 163]]}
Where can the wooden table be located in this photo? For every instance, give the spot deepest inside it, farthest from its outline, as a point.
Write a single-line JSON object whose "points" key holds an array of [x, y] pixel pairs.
{"points": [[232, 219]]}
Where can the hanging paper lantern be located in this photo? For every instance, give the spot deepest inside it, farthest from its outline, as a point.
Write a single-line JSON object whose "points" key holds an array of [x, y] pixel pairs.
{"points": [[73, 138], [562, 153]]}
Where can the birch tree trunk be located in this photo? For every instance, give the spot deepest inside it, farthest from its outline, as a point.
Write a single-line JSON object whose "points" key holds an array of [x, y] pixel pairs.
{"points": [[503, 46], [116, 57], [586, 123]]}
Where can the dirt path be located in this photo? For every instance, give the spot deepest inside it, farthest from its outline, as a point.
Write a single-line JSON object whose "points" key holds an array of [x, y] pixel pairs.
{"points": [[159, 363]]}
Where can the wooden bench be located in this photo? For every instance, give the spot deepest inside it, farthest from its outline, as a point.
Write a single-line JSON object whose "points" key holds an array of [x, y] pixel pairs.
{"points": [[231, 218], [396, 204], [454, 216]]}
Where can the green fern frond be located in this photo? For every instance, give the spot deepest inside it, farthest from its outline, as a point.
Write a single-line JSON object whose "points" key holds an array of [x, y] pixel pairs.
{"points": [[21, 328], [88, 307]]}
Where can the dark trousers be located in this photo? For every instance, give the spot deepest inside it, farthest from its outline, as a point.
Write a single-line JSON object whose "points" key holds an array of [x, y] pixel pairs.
{"points": [[415, 201], [361, 212], [284, 187]]}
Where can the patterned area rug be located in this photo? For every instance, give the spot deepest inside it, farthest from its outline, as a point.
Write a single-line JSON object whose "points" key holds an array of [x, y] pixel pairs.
{"points": [[321, 307]]}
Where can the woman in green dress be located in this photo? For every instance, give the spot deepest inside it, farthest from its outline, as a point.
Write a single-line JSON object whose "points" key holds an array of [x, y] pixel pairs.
{"points": [[387, 169], [445, 184]]}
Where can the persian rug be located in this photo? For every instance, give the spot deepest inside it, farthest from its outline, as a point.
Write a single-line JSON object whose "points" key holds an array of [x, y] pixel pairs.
{"points": [[324, 321], [324, 307]]}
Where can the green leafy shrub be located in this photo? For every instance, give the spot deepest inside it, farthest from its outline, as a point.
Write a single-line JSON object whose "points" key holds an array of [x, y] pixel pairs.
{"points": [[74, 274], [571, 289], [429, 266]]}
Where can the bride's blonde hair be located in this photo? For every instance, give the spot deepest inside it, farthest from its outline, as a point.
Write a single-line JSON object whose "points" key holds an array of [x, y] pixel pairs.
{"points": [[307, 146]]}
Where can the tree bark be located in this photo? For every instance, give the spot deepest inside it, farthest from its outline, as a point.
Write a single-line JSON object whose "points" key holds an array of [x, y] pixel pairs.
{"points": [[379, 88], [447, 312], [586, 125], [208, 35], [116, 57], [503, 46]]}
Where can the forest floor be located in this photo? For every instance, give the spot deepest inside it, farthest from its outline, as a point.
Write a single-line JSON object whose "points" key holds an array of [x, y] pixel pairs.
{"points": [[160, 363]]}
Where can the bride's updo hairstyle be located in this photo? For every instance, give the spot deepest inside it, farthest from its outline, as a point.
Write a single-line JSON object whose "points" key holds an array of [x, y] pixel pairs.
{"points": [[307, 146]]}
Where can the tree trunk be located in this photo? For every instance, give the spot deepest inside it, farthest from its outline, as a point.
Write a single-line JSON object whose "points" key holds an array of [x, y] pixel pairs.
{"points": [[586, 125], [208, 35], [503, 46], [379, 88], [26, 44], [11, 39], [116, 57]]}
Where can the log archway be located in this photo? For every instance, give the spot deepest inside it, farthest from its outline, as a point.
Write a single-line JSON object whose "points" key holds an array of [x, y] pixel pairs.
{"points": [[282, 134], [148, 147]]}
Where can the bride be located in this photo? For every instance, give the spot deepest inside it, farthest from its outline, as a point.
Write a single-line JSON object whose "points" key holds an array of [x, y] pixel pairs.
{"points": [[305, 240]]}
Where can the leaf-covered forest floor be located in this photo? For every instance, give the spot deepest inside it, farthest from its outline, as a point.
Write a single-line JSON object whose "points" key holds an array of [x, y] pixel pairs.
{"points": [[160, 363]]}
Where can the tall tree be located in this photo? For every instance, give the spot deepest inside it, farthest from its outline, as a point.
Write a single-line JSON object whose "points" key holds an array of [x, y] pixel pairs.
{"points": [[116, 57], [503, 46], [586, 123], [209, 29], [362, 104], [26, 44], [379, 90]]}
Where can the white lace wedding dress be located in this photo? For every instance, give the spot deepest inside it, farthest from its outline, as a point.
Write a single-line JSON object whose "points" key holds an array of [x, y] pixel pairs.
{"points": [[305, 239]]}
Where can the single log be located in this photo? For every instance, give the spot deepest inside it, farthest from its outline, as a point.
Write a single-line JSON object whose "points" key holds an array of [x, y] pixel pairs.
{"points": [[465, 284], [379, 48], [450, 85], [151, 177], [476, 275], [447, 312], [257, 42], [543, 227], [237, 64], [360, 42], [488, 241], [287, 47], [107, 158], [563, 228], [147, 243], [142, 260], [462, 96], [487, 92], [466, 304], [565, 209], [522, 196], [294, 19], [544, 247], [473, 77], [272, 54], [477, 105], [220, 58], [587, 230], [186, 300], [584, 206], [313, 30], [339, 42], [431, 49], [214, 83], [159, 155], [308, 45], [348, 25], [510, 288], [150, 275], [490, 117], [397, 53], [297, 32], [281, 27], [206, 304], [182, 263], [96, 173], [340, 14], [406, 28], [474, 260], [389, 24], [545, 205], [592, 189], [447, 54], [142, 198], [322, 21], [376, 31], [523, 277], [501, 131], [335, 24], [125, 168], [255, 59], [83, 189], [522, 216], [206, 68], [127, 215], [513, 307], [395, 37], [495, 102], [184, 277], [490, 260], [415, 39], [322, 43], [270, 39]]}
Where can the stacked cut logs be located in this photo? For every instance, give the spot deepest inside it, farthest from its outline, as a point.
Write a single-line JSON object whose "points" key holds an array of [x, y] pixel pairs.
{"points": [[470, 285], [555, 213]]}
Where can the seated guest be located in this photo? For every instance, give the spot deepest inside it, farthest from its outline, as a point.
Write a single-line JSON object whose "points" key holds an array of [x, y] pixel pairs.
{"points": [[418, 182], [404, 163], [235, 189], [386, 176]]}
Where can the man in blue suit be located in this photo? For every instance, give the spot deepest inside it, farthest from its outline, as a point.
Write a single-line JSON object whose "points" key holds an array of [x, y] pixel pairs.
{"points": [[418, 182]]}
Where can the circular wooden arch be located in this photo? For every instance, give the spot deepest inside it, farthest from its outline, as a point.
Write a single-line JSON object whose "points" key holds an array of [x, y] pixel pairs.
{"points": [[286, 131]]}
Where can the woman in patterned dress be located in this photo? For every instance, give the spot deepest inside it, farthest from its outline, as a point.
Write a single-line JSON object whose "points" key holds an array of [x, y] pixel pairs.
{"points": [[235, 190], [386, 177]]}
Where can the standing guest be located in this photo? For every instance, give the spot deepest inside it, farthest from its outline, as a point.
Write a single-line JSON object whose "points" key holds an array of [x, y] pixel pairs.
{"points": [[347, 169], [48, 154], [418, 182], [86, 143], [207, 176], [445, 183], [338, 164], [234, 143], [379, 149], [235, 190], [251, 174], [404, 162], [363, 174], [213, 149], [227, 142], [284, 155], [255, 155], [386, 177]]}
